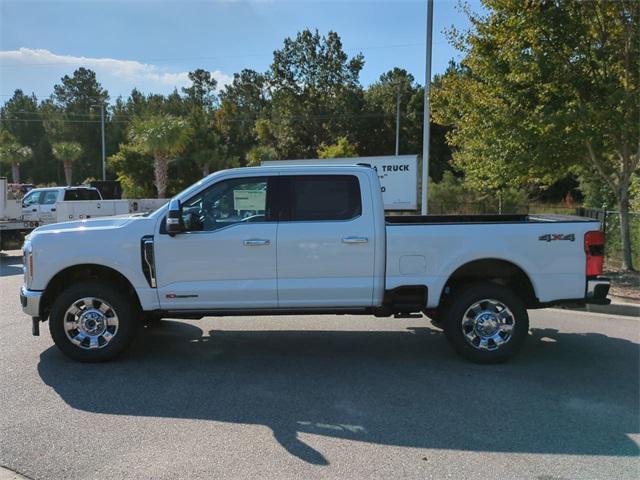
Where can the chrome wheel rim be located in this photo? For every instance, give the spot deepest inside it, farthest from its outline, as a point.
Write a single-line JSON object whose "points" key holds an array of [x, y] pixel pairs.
{"points": [[90, 323], [488, 324]]}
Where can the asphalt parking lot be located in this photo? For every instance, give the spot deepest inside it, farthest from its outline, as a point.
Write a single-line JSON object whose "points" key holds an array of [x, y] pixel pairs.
{"points": [[321, 397]]}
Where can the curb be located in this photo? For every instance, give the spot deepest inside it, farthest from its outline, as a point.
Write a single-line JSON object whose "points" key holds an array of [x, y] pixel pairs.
{"points": [[625, 309], [8, 474], [628, 309]]}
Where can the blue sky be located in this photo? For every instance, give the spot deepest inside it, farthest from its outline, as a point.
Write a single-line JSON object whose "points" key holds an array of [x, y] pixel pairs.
{"points": [[153, 44]]}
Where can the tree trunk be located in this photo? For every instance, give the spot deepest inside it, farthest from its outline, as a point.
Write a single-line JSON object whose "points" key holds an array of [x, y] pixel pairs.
{"points": [[205, 170], [68, 171], [621, 191], [15, 172], [161, 172], [625, 232]]}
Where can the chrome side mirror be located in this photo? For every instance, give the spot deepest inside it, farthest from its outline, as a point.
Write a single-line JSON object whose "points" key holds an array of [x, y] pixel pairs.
{"points": [[174, 223]]}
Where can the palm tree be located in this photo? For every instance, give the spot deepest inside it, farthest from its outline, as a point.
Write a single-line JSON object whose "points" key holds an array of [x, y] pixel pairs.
{"points": [[12, 153], [68, 153], [163, 137]]}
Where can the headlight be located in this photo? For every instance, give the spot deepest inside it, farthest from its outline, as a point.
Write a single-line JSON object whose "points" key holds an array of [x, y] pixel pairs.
{"points": [[27, 263]]}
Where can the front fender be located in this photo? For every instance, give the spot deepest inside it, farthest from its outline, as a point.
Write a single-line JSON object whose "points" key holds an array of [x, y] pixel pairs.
{"points": [[117, 249]]}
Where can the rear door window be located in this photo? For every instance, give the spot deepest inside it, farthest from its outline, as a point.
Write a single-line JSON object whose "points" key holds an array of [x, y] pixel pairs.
{"points": [[88, 194], [81, 194], [322, 198], [71, 195]]}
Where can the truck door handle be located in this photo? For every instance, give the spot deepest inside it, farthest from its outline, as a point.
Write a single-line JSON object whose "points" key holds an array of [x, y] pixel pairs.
{"points": [[255, 242], [34, 210], [355, 240], [53, 209]]}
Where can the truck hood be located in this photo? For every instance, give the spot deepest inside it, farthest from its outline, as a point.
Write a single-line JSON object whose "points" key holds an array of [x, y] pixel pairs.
{"points": [[90, 224]]}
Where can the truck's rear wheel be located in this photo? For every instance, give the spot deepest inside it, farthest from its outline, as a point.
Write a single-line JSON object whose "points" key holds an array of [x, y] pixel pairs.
{"points": [[92, 322], [486, 323]]}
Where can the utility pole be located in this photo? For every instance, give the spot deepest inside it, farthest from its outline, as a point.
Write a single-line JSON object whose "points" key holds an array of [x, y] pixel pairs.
{"points": [[104, 163], [398, 121], [426, 122]]}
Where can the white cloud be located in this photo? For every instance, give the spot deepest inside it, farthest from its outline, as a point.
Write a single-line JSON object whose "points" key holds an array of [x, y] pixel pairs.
{"points": [[132, 73]]}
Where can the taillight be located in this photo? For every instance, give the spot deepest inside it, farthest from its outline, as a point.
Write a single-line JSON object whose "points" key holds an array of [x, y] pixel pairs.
{"points": [[594, 248]]}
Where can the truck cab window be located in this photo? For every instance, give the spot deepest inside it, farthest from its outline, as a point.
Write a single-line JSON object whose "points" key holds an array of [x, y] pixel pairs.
{"points": [[227, 203], [49, 197], [323, 197], [32, 198], [70, 195], [88, 194]]}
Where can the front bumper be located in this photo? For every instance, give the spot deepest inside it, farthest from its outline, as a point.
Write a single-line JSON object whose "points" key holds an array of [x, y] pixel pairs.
{"points": [[30, 301], [597, 290]]}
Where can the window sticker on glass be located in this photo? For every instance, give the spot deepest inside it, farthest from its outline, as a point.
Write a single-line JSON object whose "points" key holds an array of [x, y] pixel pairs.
{"points": [[249, 200]]}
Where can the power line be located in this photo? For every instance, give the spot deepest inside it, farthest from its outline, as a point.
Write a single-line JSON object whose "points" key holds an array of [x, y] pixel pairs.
{"points": [[47, 95], [275, 118], [48, 114], [64, 114], [23, 120], [27, 112]]}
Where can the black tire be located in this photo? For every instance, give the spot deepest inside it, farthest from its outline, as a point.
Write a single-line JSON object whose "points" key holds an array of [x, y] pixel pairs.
{"points": [[469, 339], [121, 305]]}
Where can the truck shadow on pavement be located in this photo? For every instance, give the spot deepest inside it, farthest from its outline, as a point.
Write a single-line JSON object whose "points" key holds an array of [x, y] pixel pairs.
{"points": [[10, 265], [565, 394]]}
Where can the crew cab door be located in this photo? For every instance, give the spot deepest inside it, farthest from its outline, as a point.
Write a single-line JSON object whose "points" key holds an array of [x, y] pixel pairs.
{"points": [[48, 206], [31, 206], [326, 242], [226, 258]]}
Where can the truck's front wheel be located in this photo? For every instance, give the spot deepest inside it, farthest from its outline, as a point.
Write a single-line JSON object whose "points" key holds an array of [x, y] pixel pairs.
{"points": [[92, 322], [486, 322]]}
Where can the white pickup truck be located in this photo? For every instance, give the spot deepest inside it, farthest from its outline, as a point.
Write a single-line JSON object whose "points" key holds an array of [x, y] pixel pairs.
{"points": [[42, 206], [305, 240]]}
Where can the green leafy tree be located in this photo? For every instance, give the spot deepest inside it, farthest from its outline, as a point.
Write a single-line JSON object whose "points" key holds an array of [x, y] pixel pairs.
{"points": [[316, 94], [164, 137], [13, 154], [76, 118], [22, 117], [134, 171], [205, 149], [545, 87], [142, 106], [341, 149], [68, 153], [201, 93], [381, 100], [214, 159], [259, 154], [242, 103]]}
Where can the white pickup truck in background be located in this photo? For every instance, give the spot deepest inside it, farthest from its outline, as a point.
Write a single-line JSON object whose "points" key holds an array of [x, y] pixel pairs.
{"points": [[42, 206], [305, 240]]}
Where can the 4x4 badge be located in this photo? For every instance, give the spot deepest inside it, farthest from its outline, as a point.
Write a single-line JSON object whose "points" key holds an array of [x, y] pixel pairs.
{"points": [[550, 237]]}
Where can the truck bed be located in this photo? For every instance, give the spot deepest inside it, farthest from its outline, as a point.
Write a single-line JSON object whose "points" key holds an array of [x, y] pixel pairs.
{"points": [[483, 219], [427, 250]]}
